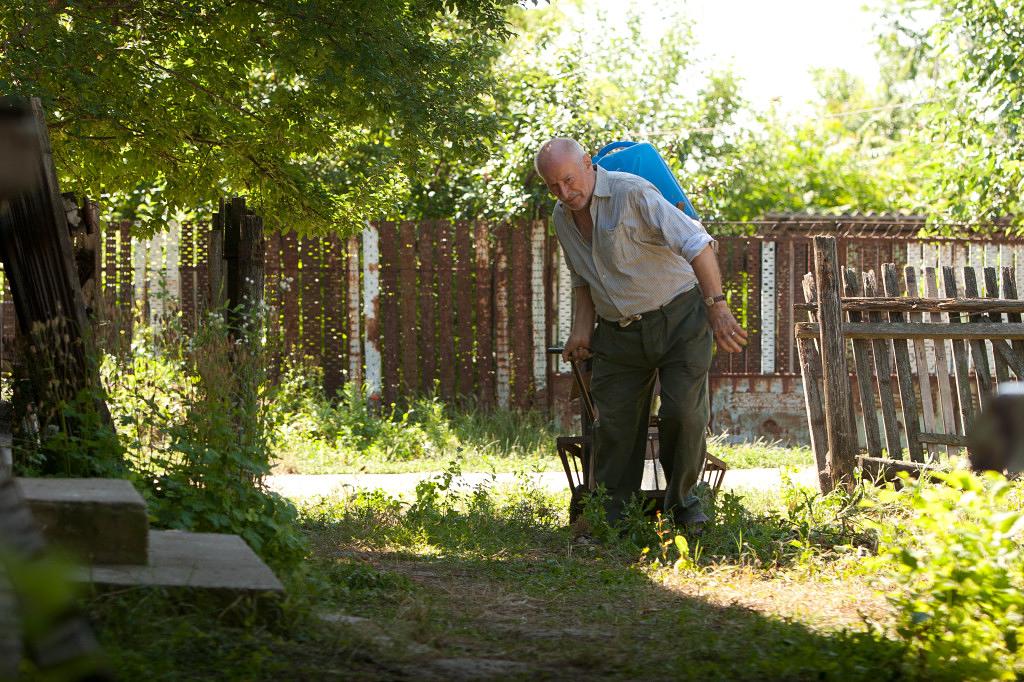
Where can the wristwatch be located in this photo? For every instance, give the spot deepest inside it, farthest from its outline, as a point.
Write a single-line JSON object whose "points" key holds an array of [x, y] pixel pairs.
{"points": [[711, 300]]}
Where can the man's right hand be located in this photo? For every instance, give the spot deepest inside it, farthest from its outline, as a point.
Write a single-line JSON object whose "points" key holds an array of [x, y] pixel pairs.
{"points": [[577, 348]]}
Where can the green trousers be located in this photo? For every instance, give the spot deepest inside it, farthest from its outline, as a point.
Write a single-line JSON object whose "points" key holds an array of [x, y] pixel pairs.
{"points": [[673, 343]]}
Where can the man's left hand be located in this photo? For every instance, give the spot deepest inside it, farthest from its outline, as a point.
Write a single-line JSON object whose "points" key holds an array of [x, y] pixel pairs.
{"points": [[729, 335]]}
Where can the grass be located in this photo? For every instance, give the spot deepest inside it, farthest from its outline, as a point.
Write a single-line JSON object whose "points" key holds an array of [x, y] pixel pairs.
{"points": [[489, 585], [760, 453], [426, 436]]}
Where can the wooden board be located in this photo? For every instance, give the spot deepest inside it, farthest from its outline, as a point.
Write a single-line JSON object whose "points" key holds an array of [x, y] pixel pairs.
{"points": [[464, 257], [924, 376], [814, 401], [960, 362], [883, 373], [941, 364], [979, 354], [904, 373], [484, 318], [408, 324], [862, 364], [427, 303], [842, 438], [445, 309]]}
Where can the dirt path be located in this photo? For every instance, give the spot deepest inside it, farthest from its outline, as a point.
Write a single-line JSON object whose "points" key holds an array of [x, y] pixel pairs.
{"points": [[301, 486]]}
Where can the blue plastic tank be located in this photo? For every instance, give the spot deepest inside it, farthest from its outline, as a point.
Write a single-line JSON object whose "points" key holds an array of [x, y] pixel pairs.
{"points": [[641, 158]]}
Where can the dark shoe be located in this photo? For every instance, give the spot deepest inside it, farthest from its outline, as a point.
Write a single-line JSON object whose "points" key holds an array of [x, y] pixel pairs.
{"points": [[694, 523]]}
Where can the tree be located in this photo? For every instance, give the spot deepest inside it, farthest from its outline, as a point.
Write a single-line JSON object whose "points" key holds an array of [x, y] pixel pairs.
{"points": [[619, 83], [964, 62], [315, 110]]}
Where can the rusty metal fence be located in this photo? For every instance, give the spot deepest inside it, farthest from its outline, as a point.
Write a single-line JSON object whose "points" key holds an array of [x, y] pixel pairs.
{"points": [[468, 309]]}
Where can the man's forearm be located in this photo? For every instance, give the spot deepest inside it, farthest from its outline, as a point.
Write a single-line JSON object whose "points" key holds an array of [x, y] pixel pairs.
{"points": [[705, 267]]}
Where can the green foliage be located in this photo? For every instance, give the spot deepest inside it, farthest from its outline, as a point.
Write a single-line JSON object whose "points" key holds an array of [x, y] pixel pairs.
{"points": [[953, 567], [193, 415], [312, 433], [959, 61], [735, 164], [315, 111]]}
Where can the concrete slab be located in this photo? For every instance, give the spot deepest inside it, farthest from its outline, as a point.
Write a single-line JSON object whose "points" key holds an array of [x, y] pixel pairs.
{"points": [[99, 520], [205, 561]]}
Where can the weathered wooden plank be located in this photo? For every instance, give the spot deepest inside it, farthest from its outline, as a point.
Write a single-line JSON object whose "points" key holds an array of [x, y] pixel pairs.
{"points": [[960, 362], [842, 438], [941, 363], [446, 309], [992, 291], [862, 362], [310, 307], [538, 312], [484, 317], [371, 315], [888, 470], [520, 319], [352, 321], [428, 303], [904, 373], [882, 354], [951, 440], [389, 310], [814, 401], [979, 354], [335, 350], [408, 290], [464, 307], [290, 290], [920, 330], [1005, 355], [924, 376], [926, 305], [501, 345], [1010, 291]]}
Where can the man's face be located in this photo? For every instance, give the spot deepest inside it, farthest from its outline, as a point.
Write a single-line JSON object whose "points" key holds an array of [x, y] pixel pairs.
{"points": [[570, 179]]}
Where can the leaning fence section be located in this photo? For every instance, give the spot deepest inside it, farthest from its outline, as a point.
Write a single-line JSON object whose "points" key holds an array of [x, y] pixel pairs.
{"points": [[897, 363]]}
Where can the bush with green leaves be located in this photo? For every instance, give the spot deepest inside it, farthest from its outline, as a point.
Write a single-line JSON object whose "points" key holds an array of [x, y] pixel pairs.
{"points": [[951, 561], [193, 414]]}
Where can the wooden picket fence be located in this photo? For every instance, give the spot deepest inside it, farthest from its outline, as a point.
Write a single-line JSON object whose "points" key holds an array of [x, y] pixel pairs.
{"points": [[923, 365], [467, 309]]}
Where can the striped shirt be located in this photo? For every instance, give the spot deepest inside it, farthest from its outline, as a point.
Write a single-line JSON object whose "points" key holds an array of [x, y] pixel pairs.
{"points": [[639, 257]]}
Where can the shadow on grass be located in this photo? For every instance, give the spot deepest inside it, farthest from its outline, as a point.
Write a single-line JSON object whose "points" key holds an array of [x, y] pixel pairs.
{"points": [[500, 587]]}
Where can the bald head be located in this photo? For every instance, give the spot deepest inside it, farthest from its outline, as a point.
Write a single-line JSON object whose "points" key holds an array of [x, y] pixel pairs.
{"points": [[558, 149], [566, 168]]}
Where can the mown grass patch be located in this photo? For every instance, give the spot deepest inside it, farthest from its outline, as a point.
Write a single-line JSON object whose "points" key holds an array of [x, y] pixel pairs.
{"points": [[488, 583]]}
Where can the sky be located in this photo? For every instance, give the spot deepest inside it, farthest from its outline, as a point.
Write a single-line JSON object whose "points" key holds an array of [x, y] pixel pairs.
{"points": [[773, 44]]}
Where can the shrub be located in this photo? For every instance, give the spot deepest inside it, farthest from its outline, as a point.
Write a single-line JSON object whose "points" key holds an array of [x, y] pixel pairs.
{"points": [[952, 566], [193, 414]]}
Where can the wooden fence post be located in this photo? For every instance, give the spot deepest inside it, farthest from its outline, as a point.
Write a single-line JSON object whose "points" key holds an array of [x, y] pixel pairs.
{"points": [[842, 439], [810, 371]]}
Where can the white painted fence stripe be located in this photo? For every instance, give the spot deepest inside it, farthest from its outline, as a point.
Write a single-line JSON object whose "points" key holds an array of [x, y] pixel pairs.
{"points": [[768, 307], [564, 306], [371, 308], [540, 360]]}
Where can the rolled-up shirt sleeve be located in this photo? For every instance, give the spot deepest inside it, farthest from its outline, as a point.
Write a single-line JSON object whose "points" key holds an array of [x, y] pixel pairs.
{"points": [[574, 276], [681, 233]]}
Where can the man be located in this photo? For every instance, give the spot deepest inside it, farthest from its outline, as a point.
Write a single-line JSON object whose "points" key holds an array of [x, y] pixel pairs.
{"points": [[647, 276]]}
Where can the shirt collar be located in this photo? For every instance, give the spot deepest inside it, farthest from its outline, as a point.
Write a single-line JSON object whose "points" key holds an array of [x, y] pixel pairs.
{"points": [[601, 188]]}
